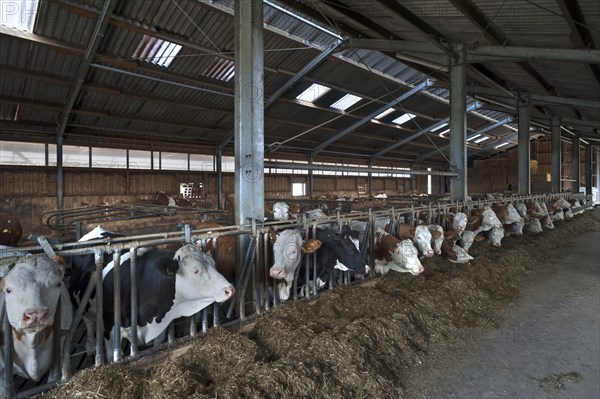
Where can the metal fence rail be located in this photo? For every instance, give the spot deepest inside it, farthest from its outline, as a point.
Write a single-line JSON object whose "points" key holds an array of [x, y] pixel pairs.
{"points": [[254, 275]]}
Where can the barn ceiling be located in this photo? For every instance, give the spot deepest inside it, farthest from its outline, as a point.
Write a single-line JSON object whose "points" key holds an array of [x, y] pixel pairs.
{"points": [[135, 73]]}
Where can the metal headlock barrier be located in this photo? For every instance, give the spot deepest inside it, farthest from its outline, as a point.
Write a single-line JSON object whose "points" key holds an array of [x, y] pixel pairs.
{"points": [[254, 277]]}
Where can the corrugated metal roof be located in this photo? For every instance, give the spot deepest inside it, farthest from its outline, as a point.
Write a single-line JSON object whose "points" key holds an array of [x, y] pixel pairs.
{"points": [[183, 101]]}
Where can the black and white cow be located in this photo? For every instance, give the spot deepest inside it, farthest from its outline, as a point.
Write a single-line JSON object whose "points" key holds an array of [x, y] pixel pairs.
{"points": [[171, 285], [337, 251]]}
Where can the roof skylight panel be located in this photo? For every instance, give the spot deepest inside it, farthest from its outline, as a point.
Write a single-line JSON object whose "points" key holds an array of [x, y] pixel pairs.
{"points": [[156, 51], [439, 127], [481, 139], [313, 92], [501, 145], [221, 69], [19, 14], [384, 113], [346, 102], [403, 118]]}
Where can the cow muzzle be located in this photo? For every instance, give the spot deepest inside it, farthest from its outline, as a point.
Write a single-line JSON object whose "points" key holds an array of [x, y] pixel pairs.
{"points": [[277, 273], [37, 317]]}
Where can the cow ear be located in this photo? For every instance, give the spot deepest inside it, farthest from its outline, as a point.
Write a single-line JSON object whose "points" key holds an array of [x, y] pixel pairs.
{"points": [[449, 217], [412, 231], [311, 245], [169, 267], [388, 256], [479, 238], [473, 219], [436, 234], [272, 236], [449, 235], [5, 268], [62, 265]]}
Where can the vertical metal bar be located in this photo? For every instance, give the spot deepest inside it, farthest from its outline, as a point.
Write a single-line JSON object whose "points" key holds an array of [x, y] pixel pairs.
{"points": [[216, 316], [55, 371], [9, 382], [134, 301], [89, 157], [46, 155], [99, 259], [556, 155], [458, 126], [204, 320], [266, 259], [524, 145], [117, 354], [598, 175], [171, 333], [219, 177], [588, 169], [575, 163], [59, 170]]}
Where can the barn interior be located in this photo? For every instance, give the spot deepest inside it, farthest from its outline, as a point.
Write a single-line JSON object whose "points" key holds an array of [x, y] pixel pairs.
{"points": [[111, 102], [149, 115]]}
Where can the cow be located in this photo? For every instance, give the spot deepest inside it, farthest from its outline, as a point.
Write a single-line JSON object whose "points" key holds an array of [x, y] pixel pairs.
{"points": [[281, 211], [172, 284], [495, 236], [539, 211], [458, 221], [337, 250], [394, 254], [468, 238], [420, 235], [534, 225], [509, 216], [31, 290], [484, 219], [453, 252], [437, 237], [288, 246]]}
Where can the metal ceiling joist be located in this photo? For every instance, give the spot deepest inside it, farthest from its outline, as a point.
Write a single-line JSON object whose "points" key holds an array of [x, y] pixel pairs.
{"points": [[84, 66], [469, 137], [536, 98], [301, 73], [580, 36], [366, 119], [495, 35], [427, 50], [471, 107]]}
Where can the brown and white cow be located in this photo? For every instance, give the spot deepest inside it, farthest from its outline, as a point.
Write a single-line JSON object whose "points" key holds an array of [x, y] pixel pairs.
{"points": [[394, 254], [453, 252], [420, 235], [31, 289]]}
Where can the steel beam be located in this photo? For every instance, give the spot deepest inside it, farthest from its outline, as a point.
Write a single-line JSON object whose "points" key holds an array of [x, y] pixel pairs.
{"points": [[219, 176], [475, 54], [524, 151], [302, 72], [575, 163], [458, 127], [556, 155], [367, 119], [469, 137], [471, 107], [597, 175], [588, 169], [249, 111], [365, 169]]}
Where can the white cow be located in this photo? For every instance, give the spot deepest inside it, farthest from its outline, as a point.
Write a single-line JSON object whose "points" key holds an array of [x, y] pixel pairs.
{"points": [[397, 255], [281, 211], [437, 237], [287, 254], [31, 288], [458, 221]]}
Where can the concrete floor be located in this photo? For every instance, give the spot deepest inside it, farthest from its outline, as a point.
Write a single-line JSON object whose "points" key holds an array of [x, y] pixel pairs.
{"points": [[548, 345]]}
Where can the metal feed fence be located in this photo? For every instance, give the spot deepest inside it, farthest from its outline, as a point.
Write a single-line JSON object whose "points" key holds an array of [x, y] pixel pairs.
{"points": [[255, 294]]}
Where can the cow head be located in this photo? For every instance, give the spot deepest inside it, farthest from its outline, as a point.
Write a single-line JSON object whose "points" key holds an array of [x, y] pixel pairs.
{"points": [[196, 277], [458, 221], [437, 236], [535, 226], [31, 288], [487, 218], [287, 254], [344, 250], [423, 240], [495, 236], [406, 257], [281, 211]]}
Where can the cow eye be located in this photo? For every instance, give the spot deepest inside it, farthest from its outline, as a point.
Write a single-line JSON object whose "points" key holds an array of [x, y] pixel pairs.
{"points": [[196, 271], [8, 290], [58, 285]]}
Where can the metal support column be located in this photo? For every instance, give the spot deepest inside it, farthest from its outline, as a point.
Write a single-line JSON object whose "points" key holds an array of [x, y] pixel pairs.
{"points": [[588, 169], [597, 175], [311, 178], [575, 163], [370, 180], [59, 170], [458, 126], [556, 155], [219, 179], [248, 124], [524, 146]]}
